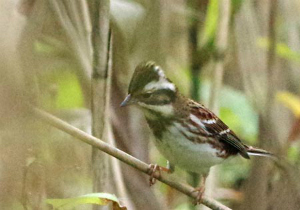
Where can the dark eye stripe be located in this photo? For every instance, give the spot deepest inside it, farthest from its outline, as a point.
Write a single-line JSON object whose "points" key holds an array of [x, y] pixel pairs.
{"points": [[167, 92], [161, 97]]}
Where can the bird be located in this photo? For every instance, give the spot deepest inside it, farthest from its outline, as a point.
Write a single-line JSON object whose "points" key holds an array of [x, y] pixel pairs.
{"points": [[187, 134]]}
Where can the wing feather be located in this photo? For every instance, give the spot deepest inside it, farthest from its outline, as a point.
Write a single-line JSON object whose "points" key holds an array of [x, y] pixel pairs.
{"points": [[216, 127]]}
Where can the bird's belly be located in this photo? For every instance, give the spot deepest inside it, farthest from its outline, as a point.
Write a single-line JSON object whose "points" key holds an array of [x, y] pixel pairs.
{"points": [[188, 155]]}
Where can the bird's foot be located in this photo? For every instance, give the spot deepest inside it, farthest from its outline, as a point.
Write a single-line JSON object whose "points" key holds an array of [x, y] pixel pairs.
{"points": [[155, 171], [200, 193]]}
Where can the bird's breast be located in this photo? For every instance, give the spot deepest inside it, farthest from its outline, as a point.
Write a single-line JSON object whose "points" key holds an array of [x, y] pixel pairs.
{"points": [[178, 145]]}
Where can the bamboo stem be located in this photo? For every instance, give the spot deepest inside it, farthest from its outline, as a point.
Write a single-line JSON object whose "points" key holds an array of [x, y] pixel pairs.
{"points": [[101, 81]]}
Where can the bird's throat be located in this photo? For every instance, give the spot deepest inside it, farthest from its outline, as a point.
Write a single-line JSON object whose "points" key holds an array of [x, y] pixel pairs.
{"points": [[158, 111]]}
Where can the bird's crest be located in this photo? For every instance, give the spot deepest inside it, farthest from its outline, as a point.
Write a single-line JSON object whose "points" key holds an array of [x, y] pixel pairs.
{"points": [[149, 76]]}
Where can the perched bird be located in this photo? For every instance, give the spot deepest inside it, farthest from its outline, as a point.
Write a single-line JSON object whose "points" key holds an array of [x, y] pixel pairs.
{"points": [[187, 134]]}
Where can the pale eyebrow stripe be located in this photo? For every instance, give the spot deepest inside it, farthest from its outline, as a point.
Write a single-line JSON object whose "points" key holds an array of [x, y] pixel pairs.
{"points": [[160, 85]]}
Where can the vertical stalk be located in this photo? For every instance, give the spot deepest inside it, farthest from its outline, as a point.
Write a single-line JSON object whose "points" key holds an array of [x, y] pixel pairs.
{"points": [[195, 68], [258, 189], [221, 46], [101, 80], [271, 56]]}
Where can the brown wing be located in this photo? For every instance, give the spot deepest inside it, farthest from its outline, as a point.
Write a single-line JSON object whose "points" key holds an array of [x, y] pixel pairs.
{"points": [[219, 130]]}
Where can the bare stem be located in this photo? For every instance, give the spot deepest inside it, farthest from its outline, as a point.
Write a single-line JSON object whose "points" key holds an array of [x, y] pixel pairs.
{"points": [[271, 55], [122, 156], [101, 79], [221, 45]]}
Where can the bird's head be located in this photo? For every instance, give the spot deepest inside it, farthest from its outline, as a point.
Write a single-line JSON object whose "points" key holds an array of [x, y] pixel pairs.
{"points": [[151, 90]]}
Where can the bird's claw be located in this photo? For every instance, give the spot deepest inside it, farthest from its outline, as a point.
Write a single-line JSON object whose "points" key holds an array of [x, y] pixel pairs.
{"points": [[200, 191], [155, 171], [153, 168]]}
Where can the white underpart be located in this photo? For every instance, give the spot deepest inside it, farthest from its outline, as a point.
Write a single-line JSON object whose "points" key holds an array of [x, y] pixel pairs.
{"points": [[165, 110], [210, 121], [184, 153], [224, 131]]}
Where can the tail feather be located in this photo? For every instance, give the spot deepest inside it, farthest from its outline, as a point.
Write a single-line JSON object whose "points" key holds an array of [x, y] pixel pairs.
{"points": [[259, 152]]}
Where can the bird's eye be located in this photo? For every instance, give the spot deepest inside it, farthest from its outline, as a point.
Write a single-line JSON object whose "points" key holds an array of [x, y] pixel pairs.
{"points": [[146, 95]]}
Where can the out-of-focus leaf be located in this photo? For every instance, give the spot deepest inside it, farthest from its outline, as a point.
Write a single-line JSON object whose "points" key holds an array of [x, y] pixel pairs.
{"points": [[126, 14], [48, 45], [210, 24], [291, 101], [29, 161], [62, 89], [236, 6], [293, 153], [44, 48], [183, 206], [229, 116], [282, 50], [94, 198], [69, 91]]}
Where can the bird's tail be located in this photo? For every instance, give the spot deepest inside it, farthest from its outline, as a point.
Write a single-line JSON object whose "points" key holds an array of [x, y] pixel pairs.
{"points": [[259, 152]]}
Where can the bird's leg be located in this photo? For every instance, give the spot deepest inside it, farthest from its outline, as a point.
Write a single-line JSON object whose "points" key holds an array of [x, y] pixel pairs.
{"points": [[200, 190], [154, 169]]}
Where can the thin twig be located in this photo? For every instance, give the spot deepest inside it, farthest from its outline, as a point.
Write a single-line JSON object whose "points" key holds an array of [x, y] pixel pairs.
{"points": [[122, 156]]}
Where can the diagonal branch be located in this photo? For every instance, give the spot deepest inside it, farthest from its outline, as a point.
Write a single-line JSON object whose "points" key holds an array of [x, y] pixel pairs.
{"points": [[124, 157]]}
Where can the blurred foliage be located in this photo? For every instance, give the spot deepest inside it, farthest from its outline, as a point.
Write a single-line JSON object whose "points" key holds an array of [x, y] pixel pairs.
{"points": [[93, 198], [282, 50], [60, 88], [292, 102], [293, 154], [289, 100], [210, 24], [63, 90]]}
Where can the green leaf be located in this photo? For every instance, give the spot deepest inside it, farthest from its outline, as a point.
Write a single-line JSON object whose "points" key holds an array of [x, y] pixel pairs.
{"points": [[293, 153], [94, 198], [210, 24], [282, 50], [289, 100], [69, 91]]}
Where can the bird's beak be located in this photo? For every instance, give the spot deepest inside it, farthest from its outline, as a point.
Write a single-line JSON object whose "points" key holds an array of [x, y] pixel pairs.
{"points": [[127, 101]]}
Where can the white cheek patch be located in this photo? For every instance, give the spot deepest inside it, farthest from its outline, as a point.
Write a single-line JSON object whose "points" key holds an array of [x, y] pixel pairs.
{"points": [[165, 110]]}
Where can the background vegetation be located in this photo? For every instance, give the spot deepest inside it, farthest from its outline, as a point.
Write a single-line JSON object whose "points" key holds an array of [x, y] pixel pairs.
{"points": [[75, 60]]}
